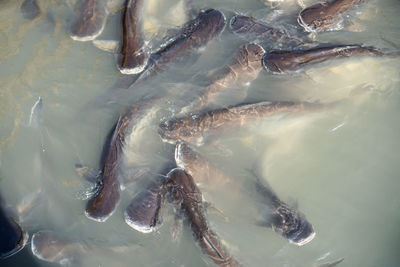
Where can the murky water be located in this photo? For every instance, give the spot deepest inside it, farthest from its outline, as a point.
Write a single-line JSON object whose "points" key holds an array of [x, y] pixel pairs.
{"points": [[340, 166]]}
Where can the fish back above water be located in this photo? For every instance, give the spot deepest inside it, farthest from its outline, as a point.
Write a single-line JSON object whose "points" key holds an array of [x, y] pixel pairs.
{"points": [[103, 204], [12, 237], [323, 16], [194, 128], [282, 61], [89, 21], [133, 56], [195, 34], [184, 192]]}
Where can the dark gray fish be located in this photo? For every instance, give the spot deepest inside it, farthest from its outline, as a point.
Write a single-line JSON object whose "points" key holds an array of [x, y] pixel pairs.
{"points": [[103, 204], [12, 237], [133, 56], [324, 15], [30, 9], [194, 35], [89, 21], [192, 129], [330, 264], [143, 213], [183, 191], [283, 61], [50, 247], [254, 30], [284, 220], [243, 68]]}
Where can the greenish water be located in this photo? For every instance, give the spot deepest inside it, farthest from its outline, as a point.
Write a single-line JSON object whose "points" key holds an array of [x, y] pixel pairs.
{"points": [[340, 166]]}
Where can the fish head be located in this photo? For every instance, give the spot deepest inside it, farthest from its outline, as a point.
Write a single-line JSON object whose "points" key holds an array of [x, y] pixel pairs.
{"points": [[209, 24], [249, 57], [241, 24], [182, 186], [12, 239], [48, 246], [170, 130], [316, 18], [292, 225]]}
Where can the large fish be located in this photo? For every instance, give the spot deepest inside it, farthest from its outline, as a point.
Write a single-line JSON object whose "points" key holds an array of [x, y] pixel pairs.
{"points": [[243, 68], [283, 61], [12, 237], [133, 56], [185, 194], [284, 220], [324, 15], [104, 202], [192, 129], [254, 30], [194, 35], [89, 21]]}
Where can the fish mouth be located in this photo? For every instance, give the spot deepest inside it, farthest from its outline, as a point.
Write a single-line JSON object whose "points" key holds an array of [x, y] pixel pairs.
{"points": [[302, 236], [18, 248], [304, 241], [138, 226]]}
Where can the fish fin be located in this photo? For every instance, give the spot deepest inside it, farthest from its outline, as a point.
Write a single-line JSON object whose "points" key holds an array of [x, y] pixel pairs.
{"points": [[211, 207], [293, 203], [106, 45], [89, 174]]}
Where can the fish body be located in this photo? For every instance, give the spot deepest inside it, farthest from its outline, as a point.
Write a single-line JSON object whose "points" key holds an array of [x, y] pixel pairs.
{"points": [[284, 61], [243, 68], [284, 220], [324, 15], [89, 21], [133, 56], [194, 35], [255, 30], [12, 237], [185, 194], [193, 128], [103, 204]]}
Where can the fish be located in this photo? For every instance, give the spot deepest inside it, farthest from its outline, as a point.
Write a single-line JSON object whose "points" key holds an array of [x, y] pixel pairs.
{"points": [[144, 211], [324, 15], [183, 192], [30, 9], [252, 29], [89, 21], [243, 68], [103, 204], [283, 219], [194, 35], [133, 57], [193, 128], [281, 61], [12, 238]]}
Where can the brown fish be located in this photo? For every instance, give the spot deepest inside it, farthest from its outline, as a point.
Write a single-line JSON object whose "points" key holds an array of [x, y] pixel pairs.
{"points": [[323, 16], [89, 21], [243, 68], [252, 29], [194, 35], [185, 194], [283, 61], [192, 129], [103, 204], [133, 56]]}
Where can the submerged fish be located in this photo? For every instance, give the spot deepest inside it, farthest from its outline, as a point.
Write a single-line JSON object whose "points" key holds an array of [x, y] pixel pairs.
{"points": [[89, 21], [30, 9], [243, 68], [251, 29], [194, 35], [133, 56], [284, 220], [12, 237], [143, 213], [103, 204], [283, 61], [194, 128], [185, 194], [324, 15]]}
